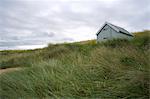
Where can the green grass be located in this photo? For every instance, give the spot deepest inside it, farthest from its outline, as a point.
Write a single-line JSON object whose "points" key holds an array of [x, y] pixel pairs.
{"points": [[108, 70]]}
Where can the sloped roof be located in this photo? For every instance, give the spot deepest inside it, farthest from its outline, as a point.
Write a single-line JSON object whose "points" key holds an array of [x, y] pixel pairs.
{"points": [[116, 28]]}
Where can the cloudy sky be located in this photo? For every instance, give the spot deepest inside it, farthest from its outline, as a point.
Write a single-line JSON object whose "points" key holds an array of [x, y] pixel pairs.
{"points": [[35, 23]]}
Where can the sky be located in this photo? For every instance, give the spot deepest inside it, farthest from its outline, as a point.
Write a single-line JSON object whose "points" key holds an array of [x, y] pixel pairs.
{"points": [[29, 24]]}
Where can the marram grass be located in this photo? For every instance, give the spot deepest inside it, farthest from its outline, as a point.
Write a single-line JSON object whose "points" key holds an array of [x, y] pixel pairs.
{"points": [[108, 70]]}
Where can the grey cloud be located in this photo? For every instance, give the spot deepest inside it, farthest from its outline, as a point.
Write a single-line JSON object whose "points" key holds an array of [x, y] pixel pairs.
{"points": [[67, 39]]}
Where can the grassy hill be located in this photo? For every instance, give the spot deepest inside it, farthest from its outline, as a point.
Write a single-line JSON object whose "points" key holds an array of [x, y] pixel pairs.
{"points": [[113, 69]]}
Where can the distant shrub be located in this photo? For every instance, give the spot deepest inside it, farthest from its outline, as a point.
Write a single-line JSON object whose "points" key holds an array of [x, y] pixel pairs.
{"points": [[92, 42], [141, 42], [55, 52], [17, 62], [115, 43]]}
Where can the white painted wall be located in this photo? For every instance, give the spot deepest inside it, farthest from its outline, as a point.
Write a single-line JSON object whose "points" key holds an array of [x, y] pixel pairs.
{"points": [[116, 35], [105, 34]]}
